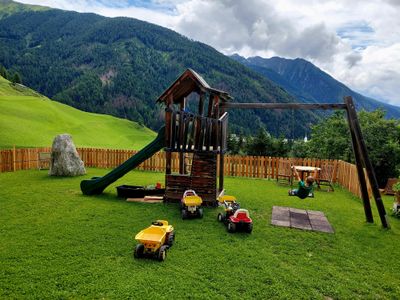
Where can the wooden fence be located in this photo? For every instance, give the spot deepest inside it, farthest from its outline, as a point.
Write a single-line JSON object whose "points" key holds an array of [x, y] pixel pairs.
{"points": [[22, 159], [347, 177], [344, 174]]}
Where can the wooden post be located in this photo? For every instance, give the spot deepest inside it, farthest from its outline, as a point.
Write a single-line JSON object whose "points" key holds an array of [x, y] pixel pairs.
{"points": [[357, 158], [13, 158], [216, 131], [182, 138], [365, 158], [173, 137], [198, 121], [201, 103], [216, 107], [221, 171], [29, 158], [168, 112], [210, 106]]}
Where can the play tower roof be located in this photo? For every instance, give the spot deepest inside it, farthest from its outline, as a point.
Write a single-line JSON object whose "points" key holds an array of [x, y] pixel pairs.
{"points": [[187, 83]]}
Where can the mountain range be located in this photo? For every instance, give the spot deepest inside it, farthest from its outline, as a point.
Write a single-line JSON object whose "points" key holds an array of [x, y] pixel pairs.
{"points": [[310, 84], [119, 66]]}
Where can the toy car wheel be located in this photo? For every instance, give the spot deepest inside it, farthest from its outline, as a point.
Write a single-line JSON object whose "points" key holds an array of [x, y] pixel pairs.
{"points": [[162, 253], [139, 250], [249, 227], [220, 217], [231, 227], [171, 238], [200, 213], [184, 214]]}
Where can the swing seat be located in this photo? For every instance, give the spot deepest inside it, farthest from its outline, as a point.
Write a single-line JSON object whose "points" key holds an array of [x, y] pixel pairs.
{"points": [[310, 195]]}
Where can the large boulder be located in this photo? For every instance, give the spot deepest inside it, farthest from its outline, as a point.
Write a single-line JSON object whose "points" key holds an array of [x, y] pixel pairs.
{"points": [[65, 160]]}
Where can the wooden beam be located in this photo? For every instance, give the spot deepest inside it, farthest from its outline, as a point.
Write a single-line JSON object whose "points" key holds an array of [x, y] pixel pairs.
{"points": [[226, 105], [360, 171], [368, 165]]}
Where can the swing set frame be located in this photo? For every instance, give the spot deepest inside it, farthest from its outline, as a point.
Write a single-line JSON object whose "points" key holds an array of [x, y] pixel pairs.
{"points": [[361, 157]]}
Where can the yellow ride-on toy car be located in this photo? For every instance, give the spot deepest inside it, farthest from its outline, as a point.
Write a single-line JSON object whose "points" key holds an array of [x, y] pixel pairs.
{"points": [[155, 240], [191, 205]]}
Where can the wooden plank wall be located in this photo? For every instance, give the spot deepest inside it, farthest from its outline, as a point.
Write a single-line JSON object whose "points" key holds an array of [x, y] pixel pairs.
{"points": [[345, 173]]}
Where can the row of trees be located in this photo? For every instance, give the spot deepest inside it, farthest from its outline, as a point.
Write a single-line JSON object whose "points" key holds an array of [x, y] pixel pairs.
{"points": [[13, 77], [330, 139]]}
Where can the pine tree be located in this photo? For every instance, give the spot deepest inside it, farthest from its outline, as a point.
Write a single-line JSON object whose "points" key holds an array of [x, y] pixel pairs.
{"points": [[3, 72], [16, 78]]}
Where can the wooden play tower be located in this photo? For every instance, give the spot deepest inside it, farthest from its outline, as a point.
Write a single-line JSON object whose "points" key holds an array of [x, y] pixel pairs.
{"points": [[197, 137], [199, 140]]}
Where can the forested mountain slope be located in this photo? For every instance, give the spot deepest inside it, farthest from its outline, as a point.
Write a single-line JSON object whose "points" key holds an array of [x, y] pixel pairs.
{"points": [[119, 66]]}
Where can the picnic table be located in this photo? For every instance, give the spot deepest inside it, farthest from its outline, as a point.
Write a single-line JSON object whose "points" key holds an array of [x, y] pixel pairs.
{"points": [[307, 171]]}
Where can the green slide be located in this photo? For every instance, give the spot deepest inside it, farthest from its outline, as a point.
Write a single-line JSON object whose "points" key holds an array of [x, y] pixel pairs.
{"points": [[97, 185]]}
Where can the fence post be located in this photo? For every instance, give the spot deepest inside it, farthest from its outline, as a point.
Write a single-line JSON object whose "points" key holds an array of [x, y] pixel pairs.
{"points": [[13, 158]]}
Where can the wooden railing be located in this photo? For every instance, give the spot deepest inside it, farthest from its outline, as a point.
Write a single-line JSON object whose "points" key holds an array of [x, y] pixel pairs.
{"points": [[344, 174], [190, 133]]}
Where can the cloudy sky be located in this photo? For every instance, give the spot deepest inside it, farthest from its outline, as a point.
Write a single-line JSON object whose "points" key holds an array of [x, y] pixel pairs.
{"points": [[357, 42]]}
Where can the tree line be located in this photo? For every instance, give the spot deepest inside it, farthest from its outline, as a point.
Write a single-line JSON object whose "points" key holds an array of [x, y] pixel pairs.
{"points": [[14, 77], [330, 139]]}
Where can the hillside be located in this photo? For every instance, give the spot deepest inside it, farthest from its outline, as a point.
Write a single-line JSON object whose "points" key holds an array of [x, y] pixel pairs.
{"points": [[9, 7], [119, 66], [30, 119], [308, 83]]}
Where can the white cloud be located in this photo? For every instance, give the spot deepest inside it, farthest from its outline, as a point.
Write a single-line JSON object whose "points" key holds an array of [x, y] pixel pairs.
{"points": [[378, 74], [357, 41], [232, 26], [118, 9]]}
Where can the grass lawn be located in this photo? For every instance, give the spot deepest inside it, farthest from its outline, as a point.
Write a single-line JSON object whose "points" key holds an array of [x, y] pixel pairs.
{"points": [[57, 243]]}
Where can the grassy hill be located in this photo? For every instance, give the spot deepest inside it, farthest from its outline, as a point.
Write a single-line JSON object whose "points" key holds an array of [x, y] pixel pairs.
{"points": [[30, 119]]}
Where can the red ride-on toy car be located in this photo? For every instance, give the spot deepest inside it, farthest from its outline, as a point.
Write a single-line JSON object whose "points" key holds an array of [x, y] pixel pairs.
{"points": [[234, 217]]}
